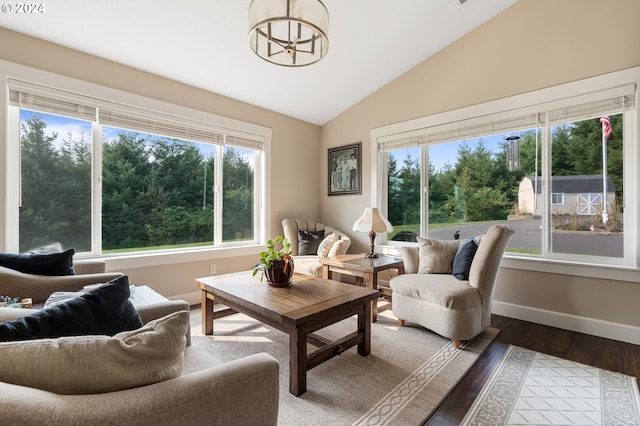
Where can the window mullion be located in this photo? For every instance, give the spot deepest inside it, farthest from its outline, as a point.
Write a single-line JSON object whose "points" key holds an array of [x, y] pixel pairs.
{"points": [[218, 195], [424, 190], [13, 173], [545, 192], [96, 188]]}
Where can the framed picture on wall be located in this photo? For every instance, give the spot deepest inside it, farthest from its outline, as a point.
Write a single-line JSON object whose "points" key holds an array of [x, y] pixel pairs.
{"points": [[345, 174]]}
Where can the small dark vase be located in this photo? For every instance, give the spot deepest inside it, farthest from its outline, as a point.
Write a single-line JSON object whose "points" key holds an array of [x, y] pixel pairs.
{"points": [[280, 273]]}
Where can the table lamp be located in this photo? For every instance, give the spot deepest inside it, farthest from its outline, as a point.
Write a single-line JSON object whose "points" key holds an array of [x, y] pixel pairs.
{"points": [[372, 222]]}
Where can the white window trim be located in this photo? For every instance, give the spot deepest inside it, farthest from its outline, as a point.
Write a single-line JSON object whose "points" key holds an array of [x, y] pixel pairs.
{"points": [[9, 152], [557, 195], [514, 103]]}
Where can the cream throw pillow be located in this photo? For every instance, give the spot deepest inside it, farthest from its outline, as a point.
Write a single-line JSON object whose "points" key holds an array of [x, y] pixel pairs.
{"points": [[98, 364], [339, 247], [436, 256], [327, 243]]}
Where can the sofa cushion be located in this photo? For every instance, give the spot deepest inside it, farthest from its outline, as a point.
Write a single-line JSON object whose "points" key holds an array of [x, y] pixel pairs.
{"points": [[105, 310], [308, 242], [464, 257], [443, 290], [436, 256], [53, 264], [98, 364], [326, 244]]}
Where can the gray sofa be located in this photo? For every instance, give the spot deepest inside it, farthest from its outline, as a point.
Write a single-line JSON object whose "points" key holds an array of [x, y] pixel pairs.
{"points": [[240, 392], [454, 308]]}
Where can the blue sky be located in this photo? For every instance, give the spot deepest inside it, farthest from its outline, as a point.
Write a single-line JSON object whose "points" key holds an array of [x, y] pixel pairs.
{"points": [[441, 154], [60, 125], [63, 125]]}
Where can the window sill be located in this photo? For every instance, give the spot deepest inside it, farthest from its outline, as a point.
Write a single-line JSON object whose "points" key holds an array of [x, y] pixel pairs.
{"points": [[615, 273], [149, 259]]}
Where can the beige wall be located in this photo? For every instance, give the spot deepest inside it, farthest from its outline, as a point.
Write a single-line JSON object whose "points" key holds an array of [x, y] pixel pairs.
{"points": [[291, 139], [532, 45]]}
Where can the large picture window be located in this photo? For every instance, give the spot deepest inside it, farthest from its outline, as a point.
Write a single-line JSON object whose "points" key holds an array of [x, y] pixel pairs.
{"points": [[108, 179], [555, 171]]}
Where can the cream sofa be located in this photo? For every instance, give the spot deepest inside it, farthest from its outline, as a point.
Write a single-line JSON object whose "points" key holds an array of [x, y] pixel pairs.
{"points": [[454, 308], [310, 264], [240, 392]]}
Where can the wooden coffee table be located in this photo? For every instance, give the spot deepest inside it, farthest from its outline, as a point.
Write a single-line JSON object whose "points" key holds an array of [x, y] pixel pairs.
{"points": [[364, 269], [308, 305]]}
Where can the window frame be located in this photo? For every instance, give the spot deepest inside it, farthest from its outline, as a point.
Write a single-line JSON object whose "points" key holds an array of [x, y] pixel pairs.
{"points": [[100, 95], [555, 196], [493, 111]]}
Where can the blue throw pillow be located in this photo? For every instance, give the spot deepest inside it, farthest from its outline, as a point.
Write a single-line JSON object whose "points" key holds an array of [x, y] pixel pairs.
{"points": [[308, 242], [464, 257], [105, 310], [54, 264]]}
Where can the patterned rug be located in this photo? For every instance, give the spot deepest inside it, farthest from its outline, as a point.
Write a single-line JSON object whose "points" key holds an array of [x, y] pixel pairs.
{"points": [[531, 388], [409, 371]]}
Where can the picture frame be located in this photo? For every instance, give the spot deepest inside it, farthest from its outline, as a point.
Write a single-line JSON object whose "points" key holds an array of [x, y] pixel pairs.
{"points": [[344, 170]]}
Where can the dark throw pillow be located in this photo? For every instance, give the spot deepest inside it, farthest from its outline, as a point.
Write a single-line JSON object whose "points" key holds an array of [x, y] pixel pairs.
{"points": [[464, 257], [308, 242], [54, 264], [105, 310]]}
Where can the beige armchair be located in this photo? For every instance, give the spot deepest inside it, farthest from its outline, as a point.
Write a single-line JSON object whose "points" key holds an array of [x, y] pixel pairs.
{"points": [[241, 392], [310, 264], [40, 287], [456, 309]]}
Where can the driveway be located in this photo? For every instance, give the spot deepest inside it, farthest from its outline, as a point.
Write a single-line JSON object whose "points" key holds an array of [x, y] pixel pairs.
{"points": [[528, 236]]}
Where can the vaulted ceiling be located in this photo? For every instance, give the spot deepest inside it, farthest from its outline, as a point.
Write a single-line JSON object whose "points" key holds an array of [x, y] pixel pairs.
{"points": [[203, 43]]}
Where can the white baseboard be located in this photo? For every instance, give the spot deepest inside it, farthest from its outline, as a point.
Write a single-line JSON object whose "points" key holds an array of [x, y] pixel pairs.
{"points": [[595, 327], [192, 298]]}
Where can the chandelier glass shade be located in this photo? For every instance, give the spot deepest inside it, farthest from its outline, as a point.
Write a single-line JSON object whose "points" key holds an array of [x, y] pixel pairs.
{"points": [[291, 33]]}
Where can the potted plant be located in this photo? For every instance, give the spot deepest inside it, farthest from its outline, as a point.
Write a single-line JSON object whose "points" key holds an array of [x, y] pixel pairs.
{"points": [[277, 265]]}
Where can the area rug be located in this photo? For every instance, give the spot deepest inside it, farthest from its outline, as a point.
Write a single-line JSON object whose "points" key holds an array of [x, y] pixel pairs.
{"points": [[531, 388], [409, 371]]}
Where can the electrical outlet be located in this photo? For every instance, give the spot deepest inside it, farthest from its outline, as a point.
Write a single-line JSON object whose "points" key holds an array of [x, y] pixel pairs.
{"points": [[212, 268]]}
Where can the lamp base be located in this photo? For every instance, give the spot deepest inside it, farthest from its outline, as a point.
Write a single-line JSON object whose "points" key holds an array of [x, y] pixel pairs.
{"points": [[372, 239]]}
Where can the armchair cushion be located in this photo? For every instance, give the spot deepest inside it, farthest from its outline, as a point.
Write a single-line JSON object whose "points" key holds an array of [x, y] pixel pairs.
{"points": [[440, 290], [52, 264], [98, 364], [436, 256], [105, 310]]}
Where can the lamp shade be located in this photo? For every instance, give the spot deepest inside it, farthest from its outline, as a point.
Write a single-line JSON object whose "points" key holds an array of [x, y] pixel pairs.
{"points": [[372, 220]]}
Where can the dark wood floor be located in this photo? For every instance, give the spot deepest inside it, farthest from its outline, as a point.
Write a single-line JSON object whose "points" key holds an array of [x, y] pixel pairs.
{"points": [[596, 351]]}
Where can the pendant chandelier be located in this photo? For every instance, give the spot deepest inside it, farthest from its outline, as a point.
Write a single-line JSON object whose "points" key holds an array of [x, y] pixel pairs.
{"points": [[291, 33]]}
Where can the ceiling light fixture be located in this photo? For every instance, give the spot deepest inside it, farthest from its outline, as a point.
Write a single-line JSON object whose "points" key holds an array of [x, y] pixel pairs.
{"points": [[291, 33]]}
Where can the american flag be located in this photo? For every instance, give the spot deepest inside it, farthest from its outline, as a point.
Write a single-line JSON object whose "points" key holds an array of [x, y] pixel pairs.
{"points": [[606, 127]]}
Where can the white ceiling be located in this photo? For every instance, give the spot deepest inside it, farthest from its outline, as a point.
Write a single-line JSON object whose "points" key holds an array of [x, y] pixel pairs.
{"points": [[203, 43]]}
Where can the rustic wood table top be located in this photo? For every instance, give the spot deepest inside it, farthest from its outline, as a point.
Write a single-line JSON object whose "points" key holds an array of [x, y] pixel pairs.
{"points": [[307, 305], [359, 262]]}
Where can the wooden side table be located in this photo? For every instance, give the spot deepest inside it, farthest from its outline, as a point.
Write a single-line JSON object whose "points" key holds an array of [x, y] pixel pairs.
{"points": [[365, 270]]}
